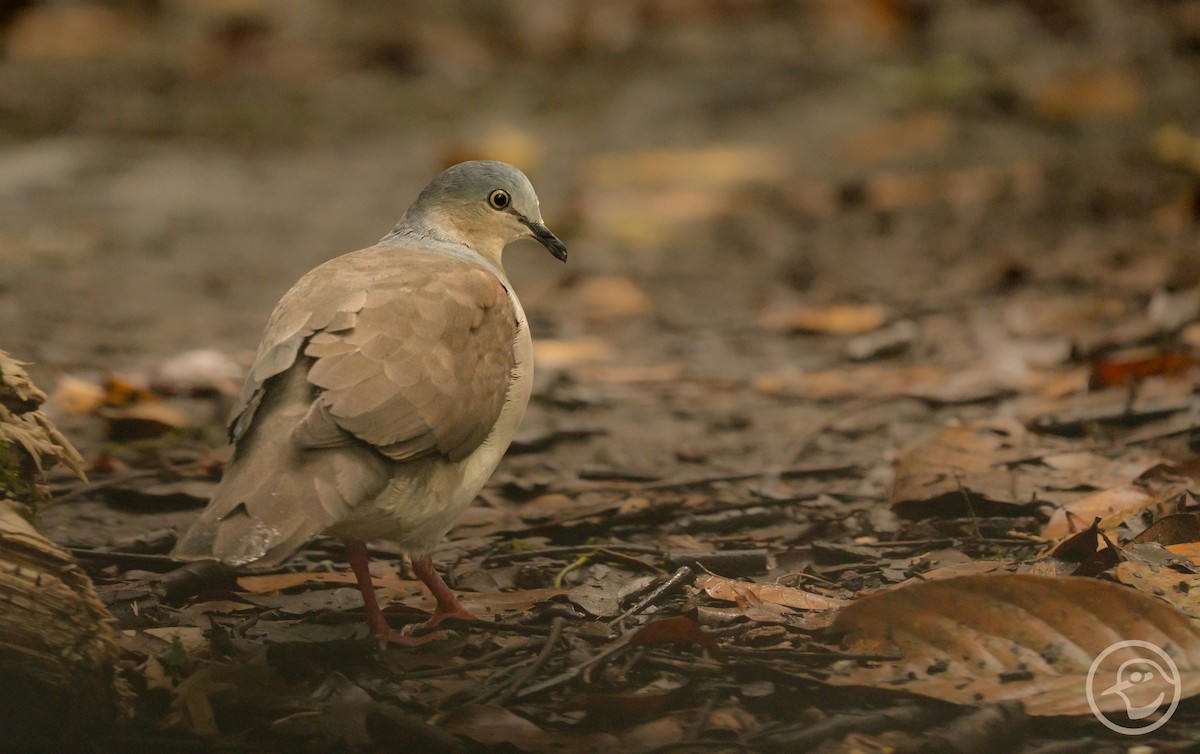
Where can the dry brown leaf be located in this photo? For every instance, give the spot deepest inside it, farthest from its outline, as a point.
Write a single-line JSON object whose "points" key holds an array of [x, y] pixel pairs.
{"points": [[1189, 550], [840, 319], [969, 568], [1171, 530], [985, 639], [629, 375], [66, 33], [962, 464], [608, 299], [740, 592], [1180, 589], [138, 421], [274, 582], [847, 382], [860, 24], [646, 198], [899, 137], [923, 381], [657, 733], [412, 593], [679, 630], [76, 396], [564, 354], [1001, 464], [1174, 146], [495, 727], [498, 141], [1090, 95], [1119, 503], [720, 165]]}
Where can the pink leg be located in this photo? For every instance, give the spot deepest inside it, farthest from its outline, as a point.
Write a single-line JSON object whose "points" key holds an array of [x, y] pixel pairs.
{"points": [[448, 605], [356, 553]]}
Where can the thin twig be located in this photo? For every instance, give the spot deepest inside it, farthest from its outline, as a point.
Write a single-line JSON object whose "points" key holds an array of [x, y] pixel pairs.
{"points": [[505, 558], [556, 629], [617, 646], [970, 508], [113, 481], [679, 577], [484, 661]]}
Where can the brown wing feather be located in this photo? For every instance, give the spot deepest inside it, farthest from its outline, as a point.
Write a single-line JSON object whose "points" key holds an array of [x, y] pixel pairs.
{"points": [[430, 366]]}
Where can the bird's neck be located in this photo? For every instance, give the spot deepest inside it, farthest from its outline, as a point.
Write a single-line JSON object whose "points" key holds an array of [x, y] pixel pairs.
{"points": [[404, 235], [441, 233]]}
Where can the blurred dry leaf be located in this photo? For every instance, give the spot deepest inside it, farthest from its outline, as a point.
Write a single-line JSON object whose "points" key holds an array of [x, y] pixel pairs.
{"points": [[1127, 367], [411, 593], [74, 32], [646, 198], [504, 142], [197, 372], [1171, 530], [965, 470], [1176, 147], [719, 166], [964, 188], [859, 24], [160, 496], [608, 299], [76, 396], [138, 421], [274, 582], [840, 319], [740, 592], [1000, 462], [892, 340], [652, 735], [985, 639], [564, 354], [1100, 94], [496, 728], [928, 382], [907, 136], [630, 375], [679, 630]]}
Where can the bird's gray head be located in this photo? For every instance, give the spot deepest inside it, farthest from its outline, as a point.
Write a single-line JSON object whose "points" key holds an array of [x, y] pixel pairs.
{"points": [[483, 204]]}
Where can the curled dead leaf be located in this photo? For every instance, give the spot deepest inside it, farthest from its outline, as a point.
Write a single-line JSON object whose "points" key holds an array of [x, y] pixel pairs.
{"points": [[840, 319], [678, 630], [985, 639], [1118, 502], [741, 592]]}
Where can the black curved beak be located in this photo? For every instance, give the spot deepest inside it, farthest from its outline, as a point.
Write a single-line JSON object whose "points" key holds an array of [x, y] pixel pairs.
{"points": [[546, 238]]}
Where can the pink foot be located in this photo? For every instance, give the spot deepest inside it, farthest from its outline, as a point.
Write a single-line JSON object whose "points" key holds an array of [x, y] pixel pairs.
{"points": [[448, 605]]}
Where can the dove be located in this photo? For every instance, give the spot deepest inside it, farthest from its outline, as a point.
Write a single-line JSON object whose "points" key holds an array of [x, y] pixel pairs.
{"points": [[388, 384]]}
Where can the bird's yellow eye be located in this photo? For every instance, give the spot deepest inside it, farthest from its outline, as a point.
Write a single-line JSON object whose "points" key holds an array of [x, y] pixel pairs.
{"points": [[499, 199]]}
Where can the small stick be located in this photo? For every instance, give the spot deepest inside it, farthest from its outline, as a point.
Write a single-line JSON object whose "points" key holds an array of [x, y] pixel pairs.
{"points": [[483, 661], [679, 577], [556, 629], [619, 645]]}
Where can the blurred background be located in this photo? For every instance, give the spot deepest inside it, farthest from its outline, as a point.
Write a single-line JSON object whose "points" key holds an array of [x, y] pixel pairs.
{"points": [[169, 167]]}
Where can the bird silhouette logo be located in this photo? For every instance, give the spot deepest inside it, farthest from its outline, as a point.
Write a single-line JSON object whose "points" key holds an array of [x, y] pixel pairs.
{"points": [[1141, 684]]}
